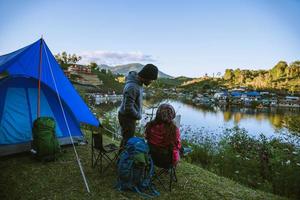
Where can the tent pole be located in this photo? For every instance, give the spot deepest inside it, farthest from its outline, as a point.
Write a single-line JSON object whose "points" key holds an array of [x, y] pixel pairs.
{"points": [[39, 82]]}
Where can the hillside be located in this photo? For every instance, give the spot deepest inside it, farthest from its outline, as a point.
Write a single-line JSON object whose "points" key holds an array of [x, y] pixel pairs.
{"points": [[282, 78], [24, 178], [124, 69], [202, 85], [110, 82], [170, 83]]}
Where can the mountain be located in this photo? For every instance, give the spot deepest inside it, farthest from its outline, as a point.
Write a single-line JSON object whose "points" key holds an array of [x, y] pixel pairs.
{"points": [[124, 69], [103, 66]]}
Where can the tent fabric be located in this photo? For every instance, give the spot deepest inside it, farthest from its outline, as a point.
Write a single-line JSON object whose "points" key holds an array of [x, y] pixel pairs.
{"points": [[25, 62], [18, 111], [19, 94]]}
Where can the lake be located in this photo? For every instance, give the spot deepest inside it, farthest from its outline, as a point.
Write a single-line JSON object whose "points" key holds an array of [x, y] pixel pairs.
{"points": [[272, 122]]}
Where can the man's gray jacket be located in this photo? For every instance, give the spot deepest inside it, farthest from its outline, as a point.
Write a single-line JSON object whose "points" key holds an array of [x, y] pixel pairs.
{"points": [[132, 101]]}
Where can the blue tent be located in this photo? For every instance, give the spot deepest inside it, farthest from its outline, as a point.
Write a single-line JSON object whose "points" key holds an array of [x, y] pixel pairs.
{"points": [[19, 98]]}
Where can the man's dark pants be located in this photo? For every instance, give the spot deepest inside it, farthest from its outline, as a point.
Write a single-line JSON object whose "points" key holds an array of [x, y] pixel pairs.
{"points": [[127, 128]]}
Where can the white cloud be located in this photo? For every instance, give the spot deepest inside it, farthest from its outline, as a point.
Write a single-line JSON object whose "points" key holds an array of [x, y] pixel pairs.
{"points": [[115, 58]]}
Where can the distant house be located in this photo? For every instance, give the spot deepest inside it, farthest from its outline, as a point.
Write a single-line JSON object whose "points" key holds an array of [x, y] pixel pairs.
{"points": [[240, 89], [166, 91], [221, 95], [290, 101], [248, 97], [81, 80], [180, 94], [244, 97], [79, 69], [266, 102], [202, 100], [222, 101], [253, 95], [200, 95], [247, 102], [292, 98], [273, 102], [264, 93], [67, 73], [82, 74], [236, 94]]}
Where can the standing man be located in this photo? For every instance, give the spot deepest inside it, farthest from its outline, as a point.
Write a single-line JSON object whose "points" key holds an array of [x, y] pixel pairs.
{"points": [[131, 107]]}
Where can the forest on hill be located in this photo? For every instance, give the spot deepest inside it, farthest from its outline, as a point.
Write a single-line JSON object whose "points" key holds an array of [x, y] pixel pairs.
{"points": [[282, 76]]}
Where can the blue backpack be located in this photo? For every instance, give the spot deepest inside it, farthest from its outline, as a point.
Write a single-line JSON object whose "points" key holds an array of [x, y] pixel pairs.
{"points": [[135, 168]]}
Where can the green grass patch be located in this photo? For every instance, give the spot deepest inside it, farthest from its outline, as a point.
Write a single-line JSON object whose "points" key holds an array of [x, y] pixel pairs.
{"points": [[22, 177]]}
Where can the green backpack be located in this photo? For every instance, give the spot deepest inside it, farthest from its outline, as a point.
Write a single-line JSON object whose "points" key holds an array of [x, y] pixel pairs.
{"points": [[45, 142]]}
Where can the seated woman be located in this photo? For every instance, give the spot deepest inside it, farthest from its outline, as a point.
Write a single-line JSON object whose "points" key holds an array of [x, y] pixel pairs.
{"points": [[163, 137]]}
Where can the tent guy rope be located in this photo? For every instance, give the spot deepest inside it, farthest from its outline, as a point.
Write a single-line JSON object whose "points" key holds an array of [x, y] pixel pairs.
{"points": [[65, 119]]}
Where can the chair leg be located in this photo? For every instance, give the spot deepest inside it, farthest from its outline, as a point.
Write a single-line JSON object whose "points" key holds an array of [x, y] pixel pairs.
{"points": [[161, 183], [96, 160], [171, 179], [157, 176], [92, 158], [175, 176], [110, 161], [93, 155], [101, 163], [102, 157]]}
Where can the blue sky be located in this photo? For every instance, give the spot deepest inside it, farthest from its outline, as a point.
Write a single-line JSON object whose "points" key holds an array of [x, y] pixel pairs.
{"points": [[188, 38]]}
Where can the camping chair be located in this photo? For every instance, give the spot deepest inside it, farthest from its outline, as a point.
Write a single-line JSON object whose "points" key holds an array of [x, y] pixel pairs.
{"points": [[102, 152], [163, 160]]}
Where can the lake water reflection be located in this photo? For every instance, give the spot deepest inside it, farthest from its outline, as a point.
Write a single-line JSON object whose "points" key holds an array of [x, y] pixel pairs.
{"points": [[270, 122]]}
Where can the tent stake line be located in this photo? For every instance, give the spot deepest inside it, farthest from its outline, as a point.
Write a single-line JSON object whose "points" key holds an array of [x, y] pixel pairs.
{"points": [[63, 111]]}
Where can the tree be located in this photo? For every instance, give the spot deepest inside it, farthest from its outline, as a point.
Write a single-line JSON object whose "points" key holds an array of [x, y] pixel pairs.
{"points": [[294, 69], [58, 58], [93, 66], [65, 60], [228, 74], [279, 70], [238, 76], [103, 71], [64, 57], [74, 58]]}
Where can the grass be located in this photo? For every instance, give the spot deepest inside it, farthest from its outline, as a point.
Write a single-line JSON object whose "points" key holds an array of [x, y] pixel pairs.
{"points": [[22, 177], [268, 164]]}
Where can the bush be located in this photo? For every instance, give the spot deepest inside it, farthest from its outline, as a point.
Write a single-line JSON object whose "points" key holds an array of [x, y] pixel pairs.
{"points": [[271, 165]]}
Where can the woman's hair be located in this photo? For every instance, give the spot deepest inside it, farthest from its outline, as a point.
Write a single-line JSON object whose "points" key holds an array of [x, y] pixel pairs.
{"points": [[165, 115]]}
